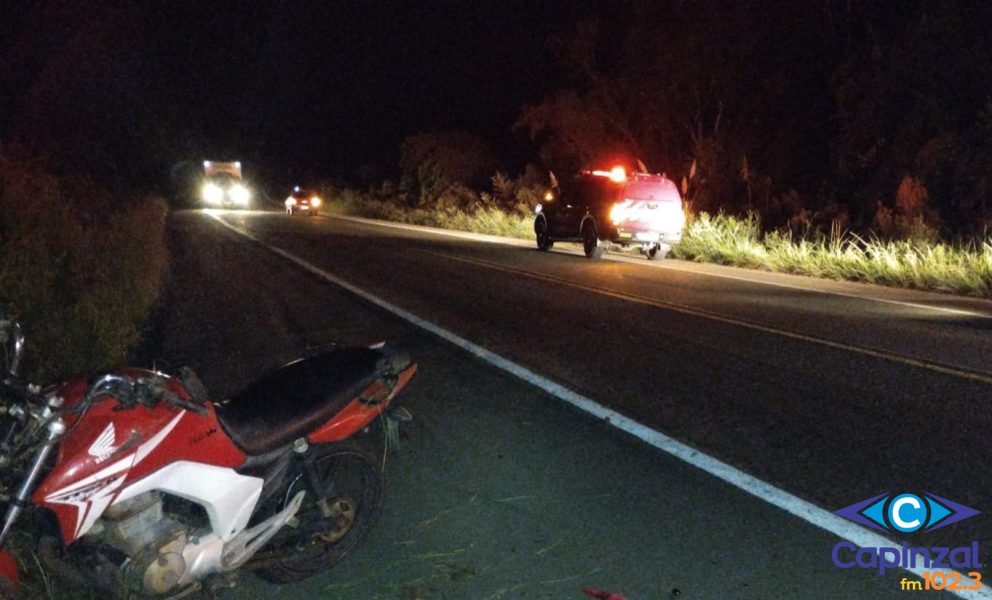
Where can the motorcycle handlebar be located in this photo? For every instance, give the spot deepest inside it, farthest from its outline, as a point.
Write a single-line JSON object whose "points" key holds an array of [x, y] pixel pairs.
{"points": [[18, 392], [146, 392], [120, 387], [176, 400]]}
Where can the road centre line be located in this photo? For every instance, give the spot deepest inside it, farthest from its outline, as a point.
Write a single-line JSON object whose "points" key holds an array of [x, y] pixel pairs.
{"points": [[494, 239], [964, 373], [790, 286], [762, 490]]}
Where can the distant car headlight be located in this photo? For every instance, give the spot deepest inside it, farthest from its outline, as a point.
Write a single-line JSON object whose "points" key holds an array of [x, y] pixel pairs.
{"points": [[239, 194], [315, 201], [212, 193]]}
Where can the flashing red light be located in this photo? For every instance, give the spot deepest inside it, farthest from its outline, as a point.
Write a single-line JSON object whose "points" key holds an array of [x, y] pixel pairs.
{"points": [[617, 174]]}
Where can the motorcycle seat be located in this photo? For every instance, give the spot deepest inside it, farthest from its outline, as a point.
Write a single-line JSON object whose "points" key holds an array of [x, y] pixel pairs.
{"points": [[295, 399]]}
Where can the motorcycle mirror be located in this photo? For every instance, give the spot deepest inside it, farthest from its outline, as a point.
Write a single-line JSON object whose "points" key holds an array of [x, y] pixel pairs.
{"points": [[12, 342]]}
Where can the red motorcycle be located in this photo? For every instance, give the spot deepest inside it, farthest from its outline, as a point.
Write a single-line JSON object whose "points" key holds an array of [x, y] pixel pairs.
{"points": [[156, 490]]}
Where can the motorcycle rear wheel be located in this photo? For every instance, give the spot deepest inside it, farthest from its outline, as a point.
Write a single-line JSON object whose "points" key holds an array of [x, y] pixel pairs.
{"points": [[326, 533]]}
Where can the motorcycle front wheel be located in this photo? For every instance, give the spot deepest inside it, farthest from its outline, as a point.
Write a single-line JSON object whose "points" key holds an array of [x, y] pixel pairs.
{"points": [[328, 528]]}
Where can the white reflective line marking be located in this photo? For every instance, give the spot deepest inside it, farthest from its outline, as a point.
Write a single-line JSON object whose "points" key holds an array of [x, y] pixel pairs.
{"points": [[684, 268], [916, 305], [762, 490]]}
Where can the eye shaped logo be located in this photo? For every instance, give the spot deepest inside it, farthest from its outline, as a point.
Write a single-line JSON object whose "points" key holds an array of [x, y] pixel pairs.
{"points": [[906, 512]]}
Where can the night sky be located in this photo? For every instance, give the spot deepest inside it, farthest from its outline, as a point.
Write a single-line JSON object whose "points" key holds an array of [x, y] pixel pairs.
{"points": [[295, 89], [831, 104]]}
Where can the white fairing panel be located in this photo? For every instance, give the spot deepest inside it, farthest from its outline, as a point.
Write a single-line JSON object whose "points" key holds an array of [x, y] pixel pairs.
{"points": [[227, 497], [92, 495]]}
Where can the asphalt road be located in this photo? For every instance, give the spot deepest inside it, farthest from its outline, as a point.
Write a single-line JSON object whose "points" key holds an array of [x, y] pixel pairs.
{"points": [[832, 392]]}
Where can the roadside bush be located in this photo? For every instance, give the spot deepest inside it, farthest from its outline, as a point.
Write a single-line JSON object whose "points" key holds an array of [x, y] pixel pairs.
{"points": [[912, 219], [456, 198], [81, 282], [519, 195], [462, 211], [438, 160]]}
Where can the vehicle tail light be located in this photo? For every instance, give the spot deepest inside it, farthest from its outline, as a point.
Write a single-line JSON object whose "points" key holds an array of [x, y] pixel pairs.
{"points": [[618, 213]]}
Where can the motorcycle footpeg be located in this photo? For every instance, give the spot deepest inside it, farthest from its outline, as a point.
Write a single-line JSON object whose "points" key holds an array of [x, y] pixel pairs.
{"points": [[399, 414]]}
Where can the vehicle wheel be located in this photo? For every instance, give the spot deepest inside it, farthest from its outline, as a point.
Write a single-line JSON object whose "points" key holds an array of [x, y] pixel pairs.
{"points": [[314, 213], [590, 241], [328, 530], [544, 241]]}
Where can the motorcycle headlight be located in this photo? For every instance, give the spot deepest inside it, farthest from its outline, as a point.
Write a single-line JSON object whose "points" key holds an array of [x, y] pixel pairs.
{"points": [[239, 194], [212, 193]]}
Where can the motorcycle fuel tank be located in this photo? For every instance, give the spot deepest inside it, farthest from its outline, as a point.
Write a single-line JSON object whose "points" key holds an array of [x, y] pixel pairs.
{"points": [[109, 446]]}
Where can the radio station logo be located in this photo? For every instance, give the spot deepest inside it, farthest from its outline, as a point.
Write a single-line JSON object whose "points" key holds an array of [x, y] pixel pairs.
{"points": [[906, 512]]}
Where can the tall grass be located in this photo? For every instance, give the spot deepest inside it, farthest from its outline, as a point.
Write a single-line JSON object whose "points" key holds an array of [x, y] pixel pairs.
{"points": [[81, 269], [736, 241]]}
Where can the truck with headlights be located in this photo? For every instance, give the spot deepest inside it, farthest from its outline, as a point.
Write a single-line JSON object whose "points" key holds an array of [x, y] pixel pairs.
{"points": [[602, 208], [222, 186]]}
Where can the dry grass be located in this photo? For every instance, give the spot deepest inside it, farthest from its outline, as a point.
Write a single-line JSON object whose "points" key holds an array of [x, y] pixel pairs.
{"points": [[735, 241]]}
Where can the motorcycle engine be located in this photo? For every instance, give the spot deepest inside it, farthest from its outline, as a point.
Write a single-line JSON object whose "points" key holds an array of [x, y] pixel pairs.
{"points": [[153, 542]]}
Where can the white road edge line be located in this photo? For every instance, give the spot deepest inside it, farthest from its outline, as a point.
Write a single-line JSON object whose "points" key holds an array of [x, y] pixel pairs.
{"points": [[762, 490], [495, 239]]}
